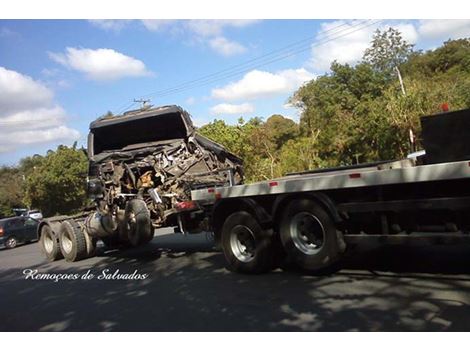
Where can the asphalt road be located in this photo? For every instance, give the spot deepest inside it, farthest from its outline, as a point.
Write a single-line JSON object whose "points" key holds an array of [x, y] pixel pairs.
{"points": [[188, 289]]}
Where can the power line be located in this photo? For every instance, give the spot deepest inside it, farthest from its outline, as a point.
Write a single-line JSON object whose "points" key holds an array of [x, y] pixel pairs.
{"points": [[281, 54], [264, 63], [231, 68], [126, 106]]}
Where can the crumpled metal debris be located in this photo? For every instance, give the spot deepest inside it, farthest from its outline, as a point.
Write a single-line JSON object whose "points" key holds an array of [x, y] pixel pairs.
{"points": [[164, 175]]}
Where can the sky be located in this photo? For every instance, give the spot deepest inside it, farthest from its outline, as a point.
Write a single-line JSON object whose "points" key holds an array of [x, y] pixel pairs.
{"points": [[56, 76]]}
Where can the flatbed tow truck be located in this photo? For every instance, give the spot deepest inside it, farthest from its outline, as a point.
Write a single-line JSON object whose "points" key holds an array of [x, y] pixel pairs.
{"points": [[310, 218]]}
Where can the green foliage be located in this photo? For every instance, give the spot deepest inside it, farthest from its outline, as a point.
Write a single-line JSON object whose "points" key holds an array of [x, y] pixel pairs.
{"points": [[361, 113], [57, 183], [238, 139], [11, 190], [12, 184], [451, 58], [279, 130], [388, 50]]}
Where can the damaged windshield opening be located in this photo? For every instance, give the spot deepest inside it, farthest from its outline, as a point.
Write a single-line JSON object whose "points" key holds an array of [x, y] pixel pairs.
{"points": [[144, 130]]}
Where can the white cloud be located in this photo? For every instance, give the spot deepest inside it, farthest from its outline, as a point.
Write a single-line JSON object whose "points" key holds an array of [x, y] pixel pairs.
{"points": [[21, 138], [33, 118], [211, 32], [257, 84], [19, 90], [232, 109], [202, 28], [158, 25], [352, 38], [110, 25], [101, 64], [29, 114], [207, 32], [211, 28], [444, 29], [226, 47]]}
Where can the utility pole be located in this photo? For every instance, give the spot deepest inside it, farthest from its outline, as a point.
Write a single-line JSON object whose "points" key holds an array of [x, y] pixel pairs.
{"points": [[412, 137], [401, 80]]}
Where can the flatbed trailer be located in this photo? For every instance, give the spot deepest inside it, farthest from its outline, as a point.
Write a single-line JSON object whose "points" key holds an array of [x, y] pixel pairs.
{"points": [[311, 217]]}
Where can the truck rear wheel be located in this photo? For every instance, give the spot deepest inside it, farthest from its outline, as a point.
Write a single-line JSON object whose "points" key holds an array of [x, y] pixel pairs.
{"points": [[138, 223], [246, 246], [72, 241], [309, 236], [49, 244]]}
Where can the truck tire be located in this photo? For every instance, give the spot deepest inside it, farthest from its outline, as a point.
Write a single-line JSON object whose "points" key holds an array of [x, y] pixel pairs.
{"points": [[138, 224], [72, 241], [309, 236], [247, 247], [49, 244]]}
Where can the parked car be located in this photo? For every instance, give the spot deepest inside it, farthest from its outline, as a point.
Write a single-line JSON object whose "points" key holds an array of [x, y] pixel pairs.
{"points": [[18, 229], [35, 214]]}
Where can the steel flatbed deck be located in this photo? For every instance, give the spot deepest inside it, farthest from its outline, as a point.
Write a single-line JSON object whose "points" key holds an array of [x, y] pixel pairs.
{"points": [[399, 172]]}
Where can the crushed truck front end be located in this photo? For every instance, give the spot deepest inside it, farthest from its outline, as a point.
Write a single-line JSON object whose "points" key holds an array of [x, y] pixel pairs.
{"points": [[143, 166]]}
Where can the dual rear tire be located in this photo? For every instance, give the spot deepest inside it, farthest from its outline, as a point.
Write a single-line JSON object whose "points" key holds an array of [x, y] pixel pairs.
{"points": [[72, 241], [307, 237], [247, 247], [49, 244]]}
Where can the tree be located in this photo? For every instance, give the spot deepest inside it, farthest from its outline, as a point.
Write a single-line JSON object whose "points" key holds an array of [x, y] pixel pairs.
{"points": [[280, 129], [388, 50], [11, 190], [238, 140], [57, 185], [336, 107]]}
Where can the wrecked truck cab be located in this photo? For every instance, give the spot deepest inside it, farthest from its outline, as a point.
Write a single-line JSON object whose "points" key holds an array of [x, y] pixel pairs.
{"points": [[143, 166]]}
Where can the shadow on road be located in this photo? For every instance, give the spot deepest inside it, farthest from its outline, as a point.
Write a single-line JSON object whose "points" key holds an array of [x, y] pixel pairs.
{"points": [[188, 289]]}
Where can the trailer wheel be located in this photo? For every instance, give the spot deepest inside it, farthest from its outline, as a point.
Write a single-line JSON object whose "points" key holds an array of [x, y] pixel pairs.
{"points": [[49, 244], [72, 241], [246, 246], [309, 236], [138, 224]]}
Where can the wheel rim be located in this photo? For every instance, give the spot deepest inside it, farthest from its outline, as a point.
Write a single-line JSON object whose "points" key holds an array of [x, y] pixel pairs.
{"points": [[242, 243], [11, 242], [307, 233], [48, 243], [67, 242]]}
